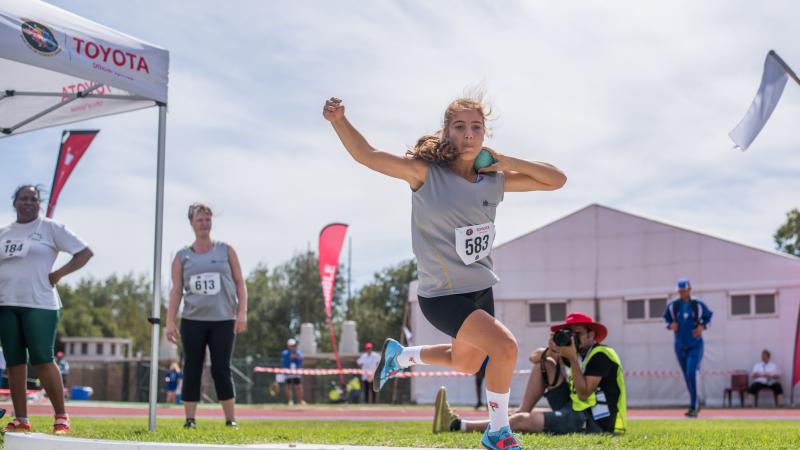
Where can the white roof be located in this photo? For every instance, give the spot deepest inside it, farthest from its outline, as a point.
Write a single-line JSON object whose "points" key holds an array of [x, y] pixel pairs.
{"points": [[57, 67], [602, 252]]}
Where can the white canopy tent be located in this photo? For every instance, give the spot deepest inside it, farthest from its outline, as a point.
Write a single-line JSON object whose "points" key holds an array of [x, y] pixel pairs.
{"points": [[58, 68]]}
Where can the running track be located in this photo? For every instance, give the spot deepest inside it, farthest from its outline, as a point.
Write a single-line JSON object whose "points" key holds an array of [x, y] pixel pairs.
{"points": [[378, 412]]}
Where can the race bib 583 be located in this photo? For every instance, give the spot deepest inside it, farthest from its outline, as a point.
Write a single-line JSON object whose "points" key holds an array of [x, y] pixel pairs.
{"points": [[474, 242]]}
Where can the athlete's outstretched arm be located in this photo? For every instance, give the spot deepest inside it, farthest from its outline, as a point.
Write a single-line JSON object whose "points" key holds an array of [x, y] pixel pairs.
{"points": [[524, 176], [410, 170]]}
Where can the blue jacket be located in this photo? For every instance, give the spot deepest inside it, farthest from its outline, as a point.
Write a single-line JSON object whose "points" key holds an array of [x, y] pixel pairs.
{"points": [[287, 359], [687, 320]]}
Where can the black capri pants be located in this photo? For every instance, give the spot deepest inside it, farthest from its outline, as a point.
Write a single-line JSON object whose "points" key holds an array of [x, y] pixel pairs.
{"points": [[219, 337]]}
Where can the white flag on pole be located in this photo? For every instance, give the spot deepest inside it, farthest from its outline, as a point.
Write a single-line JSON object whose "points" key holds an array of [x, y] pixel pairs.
{"points": [[409, 336], [776, 72]]}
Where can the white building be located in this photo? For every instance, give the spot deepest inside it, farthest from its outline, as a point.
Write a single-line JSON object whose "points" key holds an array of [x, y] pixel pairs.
{"points": [[621, 268], [96, 348]]}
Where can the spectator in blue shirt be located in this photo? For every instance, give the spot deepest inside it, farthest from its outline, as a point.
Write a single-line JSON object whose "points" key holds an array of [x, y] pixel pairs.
{"points": [[172, 379], [688, 317], [63, 367], [293, 359]]}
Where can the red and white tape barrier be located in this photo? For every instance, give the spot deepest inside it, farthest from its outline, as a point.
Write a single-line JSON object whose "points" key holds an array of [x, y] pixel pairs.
{"points": [[450, 373]]}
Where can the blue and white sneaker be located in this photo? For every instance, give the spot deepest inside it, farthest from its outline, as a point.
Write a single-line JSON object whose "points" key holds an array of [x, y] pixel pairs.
{"points": [[388, 366], [503, 439]]}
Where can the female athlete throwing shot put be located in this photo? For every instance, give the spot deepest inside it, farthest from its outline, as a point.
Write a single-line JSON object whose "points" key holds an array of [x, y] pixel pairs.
{"points": [[453, 211]]}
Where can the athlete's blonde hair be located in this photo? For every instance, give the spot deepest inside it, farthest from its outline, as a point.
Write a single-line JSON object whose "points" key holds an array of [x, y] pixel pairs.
{"points": [[436, 147], [199, 207]]}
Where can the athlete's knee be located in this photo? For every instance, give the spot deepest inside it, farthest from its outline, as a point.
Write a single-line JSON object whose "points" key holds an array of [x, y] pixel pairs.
{"points": [[41, 355], [472, 365], [505, 348], [220, 371]]}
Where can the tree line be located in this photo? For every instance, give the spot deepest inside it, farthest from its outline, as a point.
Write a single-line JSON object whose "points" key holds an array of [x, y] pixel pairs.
{"points": [[280, 299]]}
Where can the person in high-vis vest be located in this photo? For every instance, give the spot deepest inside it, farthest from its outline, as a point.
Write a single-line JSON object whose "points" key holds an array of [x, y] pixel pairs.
{"points": [[583, 383], [688, 317]]}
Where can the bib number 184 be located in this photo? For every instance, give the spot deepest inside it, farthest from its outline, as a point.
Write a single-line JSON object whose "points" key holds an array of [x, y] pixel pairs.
{"points": [[17, 248]]}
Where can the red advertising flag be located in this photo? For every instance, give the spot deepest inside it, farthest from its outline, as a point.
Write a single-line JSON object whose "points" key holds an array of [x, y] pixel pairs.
{"points": [[796, 359], [73, 145], [331, 239]]}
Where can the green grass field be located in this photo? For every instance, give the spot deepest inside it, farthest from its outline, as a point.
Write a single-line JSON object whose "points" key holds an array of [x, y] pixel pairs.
{"points": [[654, 434]]}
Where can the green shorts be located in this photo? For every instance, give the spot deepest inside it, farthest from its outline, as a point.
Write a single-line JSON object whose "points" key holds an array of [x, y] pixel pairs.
{"points": [[28, 331]]}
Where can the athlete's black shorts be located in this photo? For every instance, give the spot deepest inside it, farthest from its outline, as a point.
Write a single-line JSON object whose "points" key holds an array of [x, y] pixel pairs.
{"points": [[448, 312]]}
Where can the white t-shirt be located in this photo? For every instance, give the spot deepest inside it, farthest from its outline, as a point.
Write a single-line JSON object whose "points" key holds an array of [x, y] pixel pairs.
{"points": [[27, 254], [770, 368], [369, 362]]}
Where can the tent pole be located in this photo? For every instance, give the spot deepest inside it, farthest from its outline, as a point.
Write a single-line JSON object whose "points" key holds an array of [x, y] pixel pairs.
{"points": [[156, 314]]}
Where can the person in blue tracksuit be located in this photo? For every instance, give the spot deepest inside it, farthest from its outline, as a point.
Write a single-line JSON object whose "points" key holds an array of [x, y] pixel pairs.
{"points": [[688, 317]]}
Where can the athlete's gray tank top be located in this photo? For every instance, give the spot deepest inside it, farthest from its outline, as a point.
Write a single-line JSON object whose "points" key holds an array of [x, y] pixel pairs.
{"points": [[209, 292], [445, 202]]}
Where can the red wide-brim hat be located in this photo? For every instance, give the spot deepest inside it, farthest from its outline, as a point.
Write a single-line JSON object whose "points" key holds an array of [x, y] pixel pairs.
{"points": [[579, 318]]}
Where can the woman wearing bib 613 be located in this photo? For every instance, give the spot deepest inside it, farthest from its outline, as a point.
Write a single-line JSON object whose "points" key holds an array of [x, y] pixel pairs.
{"points": [[453, 211], [208, 278]]}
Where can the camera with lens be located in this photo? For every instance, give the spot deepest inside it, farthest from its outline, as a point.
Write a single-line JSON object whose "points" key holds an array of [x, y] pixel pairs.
{"points": [[563, 338]]}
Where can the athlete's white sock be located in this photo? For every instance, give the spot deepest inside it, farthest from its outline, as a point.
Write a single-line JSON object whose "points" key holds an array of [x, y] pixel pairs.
{"points": [[464, 426], [22, 419], [498, 410], [410, 356]]}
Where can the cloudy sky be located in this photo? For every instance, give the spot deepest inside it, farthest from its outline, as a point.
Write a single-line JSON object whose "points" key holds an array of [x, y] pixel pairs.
{"points": [[632, 100]]}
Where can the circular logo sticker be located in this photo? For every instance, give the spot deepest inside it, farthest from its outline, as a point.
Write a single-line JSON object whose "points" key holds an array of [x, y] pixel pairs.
{"points": [[40, 38], [469, 231]]}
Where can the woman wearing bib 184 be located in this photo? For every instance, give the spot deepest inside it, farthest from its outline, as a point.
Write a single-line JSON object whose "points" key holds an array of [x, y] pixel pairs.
{"points": [[29, 302], [453, 211]]}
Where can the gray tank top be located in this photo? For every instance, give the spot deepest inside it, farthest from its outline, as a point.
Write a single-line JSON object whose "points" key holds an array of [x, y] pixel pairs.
{"points": [[444, 203], [209, 292]]}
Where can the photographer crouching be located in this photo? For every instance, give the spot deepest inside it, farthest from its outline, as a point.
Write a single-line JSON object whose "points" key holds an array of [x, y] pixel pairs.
{"points": [[581, 379]]}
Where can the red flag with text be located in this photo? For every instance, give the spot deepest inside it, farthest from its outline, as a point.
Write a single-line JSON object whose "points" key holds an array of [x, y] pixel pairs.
{"points": [[73, 145], [796, 359], [331, 239]]}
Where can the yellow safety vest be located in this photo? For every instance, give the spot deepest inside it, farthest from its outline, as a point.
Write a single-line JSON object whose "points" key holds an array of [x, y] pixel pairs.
{"points": [[354, 385], [592, 401]]}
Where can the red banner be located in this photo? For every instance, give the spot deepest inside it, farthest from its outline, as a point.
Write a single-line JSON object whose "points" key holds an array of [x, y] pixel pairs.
{"points": [[331, 239], [796, 359], [73, 145]]}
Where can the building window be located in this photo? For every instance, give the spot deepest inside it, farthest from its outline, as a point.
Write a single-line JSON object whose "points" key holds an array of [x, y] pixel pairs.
{"points": [[71, 348], [98, 350], [558, 312], [84, 348], [657, 307], [635, 309], [752, 304], [765, 303], [541, 313], [645, 308], [740, 305], [537, 313], [113, 349]]}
